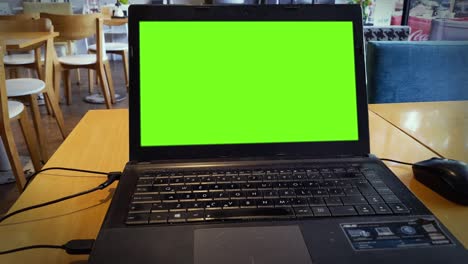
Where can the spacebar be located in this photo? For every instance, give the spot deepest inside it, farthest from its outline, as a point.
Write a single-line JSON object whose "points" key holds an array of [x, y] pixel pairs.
{"points": [[254, 213]]}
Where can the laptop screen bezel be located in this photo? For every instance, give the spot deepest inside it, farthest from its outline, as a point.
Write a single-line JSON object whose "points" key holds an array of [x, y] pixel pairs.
{"points": [[351, 13]]}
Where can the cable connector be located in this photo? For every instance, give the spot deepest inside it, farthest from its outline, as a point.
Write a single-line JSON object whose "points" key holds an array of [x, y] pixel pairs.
{"points": [[111, 177], [79, 246]]}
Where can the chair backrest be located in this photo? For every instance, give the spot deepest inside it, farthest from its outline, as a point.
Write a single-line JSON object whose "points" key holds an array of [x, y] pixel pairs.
{"points": [[76, 27], [26, 25], [20, 16], [51, 8], [73, 27], [417, 71]]}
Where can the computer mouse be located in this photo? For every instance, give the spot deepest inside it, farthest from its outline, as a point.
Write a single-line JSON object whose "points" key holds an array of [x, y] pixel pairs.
{"points": [[447, 177]]}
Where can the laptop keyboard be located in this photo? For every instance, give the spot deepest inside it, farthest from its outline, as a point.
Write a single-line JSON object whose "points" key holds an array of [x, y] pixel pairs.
{"points": [[179, 197]]}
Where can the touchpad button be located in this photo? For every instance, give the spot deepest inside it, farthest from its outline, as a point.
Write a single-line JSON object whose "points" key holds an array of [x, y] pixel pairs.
{"points": [[238, 245]]}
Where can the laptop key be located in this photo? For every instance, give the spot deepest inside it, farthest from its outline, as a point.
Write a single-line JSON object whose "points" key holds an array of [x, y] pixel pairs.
{"points": [[265, 203], [177, 217], [169, 198], [192, 206], [195, 216], [320, 211], [247, 203], [353, 200], [364, 209], [271, 194], [231, 204], [265, 186], [254, 195], [374, 199], [183, 188], [282, 202], [319, 193], [390, 198], [160, 207], [205, 196], [399, 208], [287, 193], [186, 197], [336, 192], [213, 205], [139, 208], [238, 195], [316, 201], [345, 210], [381, 209], [299, 202], [220, 196], [145, 198], [352, 191], [177, 207], [255, 213], [303, 193], [248, 186], [303, 211], [332, 201], [135, 219]]}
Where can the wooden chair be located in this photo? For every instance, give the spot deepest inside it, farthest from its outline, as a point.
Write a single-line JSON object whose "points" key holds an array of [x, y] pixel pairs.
{"points": [[27, 60], [12, 110], [76, 27], [53, 8], [117, 48], [28, 88]]}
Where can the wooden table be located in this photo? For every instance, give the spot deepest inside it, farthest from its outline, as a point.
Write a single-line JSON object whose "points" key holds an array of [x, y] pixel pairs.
{"points": [[440, 126], [91, 146]]}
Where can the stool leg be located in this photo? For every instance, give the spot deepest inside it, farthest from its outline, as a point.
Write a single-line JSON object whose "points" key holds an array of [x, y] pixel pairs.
{"points": [[36, 116], [109, 80], [125, 65], [57, 113], [12, 153], [30, 141], [90, 81], [67, 86], [104, 86]]}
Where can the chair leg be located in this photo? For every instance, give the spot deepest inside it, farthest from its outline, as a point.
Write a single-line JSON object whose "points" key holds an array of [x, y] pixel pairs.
{"points": [[125, 65], [37, 63], [38, 126], [57, 113], [109, 80], [57, 81], [105, 88], [30, 141], [78, 77], [12, 153], [90, 81], [67, 82]]}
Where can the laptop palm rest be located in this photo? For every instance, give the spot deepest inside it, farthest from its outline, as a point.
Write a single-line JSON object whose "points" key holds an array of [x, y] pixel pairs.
{"points": [[252, 245]]}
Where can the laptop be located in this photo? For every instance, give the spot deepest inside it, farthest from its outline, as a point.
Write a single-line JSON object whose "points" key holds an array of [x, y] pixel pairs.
{"points": [[249, 143]]}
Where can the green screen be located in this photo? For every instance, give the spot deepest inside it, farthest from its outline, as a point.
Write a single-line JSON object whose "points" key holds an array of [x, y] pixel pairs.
{"points": [[204, 83]]}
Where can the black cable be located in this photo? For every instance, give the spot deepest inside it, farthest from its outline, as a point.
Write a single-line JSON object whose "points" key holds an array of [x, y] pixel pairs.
{"points": [[111, 177], [397, 161], [72, 247], [29, 247], [59, 168]]}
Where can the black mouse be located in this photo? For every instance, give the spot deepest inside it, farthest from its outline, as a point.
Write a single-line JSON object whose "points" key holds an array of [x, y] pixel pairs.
{"points": [[447, 177]]}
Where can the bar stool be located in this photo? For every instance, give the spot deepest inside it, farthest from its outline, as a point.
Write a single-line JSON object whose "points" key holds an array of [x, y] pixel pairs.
{"points": [[12, 110]]}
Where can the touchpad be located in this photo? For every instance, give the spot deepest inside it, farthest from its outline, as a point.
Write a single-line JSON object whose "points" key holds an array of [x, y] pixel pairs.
{"points": [[238, 245]]}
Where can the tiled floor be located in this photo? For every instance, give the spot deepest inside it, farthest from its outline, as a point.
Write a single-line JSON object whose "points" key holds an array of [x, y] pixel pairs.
{"points": [[72, 115]]}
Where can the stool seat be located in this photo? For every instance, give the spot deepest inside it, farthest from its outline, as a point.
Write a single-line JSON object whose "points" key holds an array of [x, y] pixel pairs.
{"points": [[81, 59], [14, 108], [24, 86], [18, 59], [111, 46]]}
